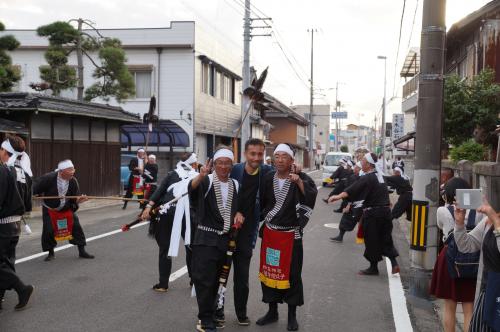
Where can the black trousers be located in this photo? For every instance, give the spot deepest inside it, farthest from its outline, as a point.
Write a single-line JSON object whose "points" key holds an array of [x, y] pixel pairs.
{"points": [[207, 263], [48, 240], [377, 229], [403, 205], [163, 231], [8, 276], [295, 294], [241, 271]]}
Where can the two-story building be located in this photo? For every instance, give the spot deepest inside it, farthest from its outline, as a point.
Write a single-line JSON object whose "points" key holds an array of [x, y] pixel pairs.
{"points": [[287, 126], [321, 130], [194, 77]]}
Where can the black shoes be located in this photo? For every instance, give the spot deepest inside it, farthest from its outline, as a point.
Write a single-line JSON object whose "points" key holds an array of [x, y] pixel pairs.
{"points": [[202, 328], [371, 271], [220, 318], [325, 200], [337, 239], [83, 254], [339, 210], [159, 288], [244, 321], [51, 256], [24, 295], [270, 317]]}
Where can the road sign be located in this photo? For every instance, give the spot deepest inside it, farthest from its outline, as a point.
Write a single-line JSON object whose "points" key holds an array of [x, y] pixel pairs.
{"points": [[339, 115], [332, 137], [398, 123]]}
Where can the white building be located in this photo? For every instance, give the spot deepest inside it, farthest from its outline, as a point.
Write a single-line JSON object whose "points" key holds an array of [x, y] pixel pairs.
{"points": [[321, 114], [355, 137], [194, 78]]}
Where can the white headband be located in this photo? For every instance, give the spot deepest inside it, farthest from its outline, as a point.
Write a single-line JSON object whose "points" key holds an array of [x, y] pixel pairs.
{"points": [[64, 165], [403, 175], [224, 153], [25, 161], [152, 156], [378, 170], [141, 150], [192, 159], [369, 158], [284, 148]]}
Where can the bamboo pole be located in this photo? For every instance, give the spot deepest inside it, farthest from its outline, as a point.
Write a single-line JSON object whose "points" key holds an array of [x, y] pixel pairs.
{"points": [[112, 198]]}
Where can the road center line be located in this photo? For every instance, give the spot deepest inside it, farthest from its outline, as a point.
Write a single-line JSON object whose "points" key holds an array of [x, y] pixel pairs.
{"points": [[66, 246], [398, 301]]}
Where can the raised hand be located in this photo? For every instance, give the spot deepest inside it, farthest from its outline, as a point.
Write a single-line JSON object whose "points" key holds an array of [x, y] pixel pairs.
{"points": [[459, 216], [207, 168], [294, 178]]}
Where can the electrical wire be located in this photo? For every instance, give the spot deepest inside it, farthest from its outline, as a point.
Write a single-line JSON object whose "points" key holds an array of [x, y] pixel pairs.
{"points": [[399, 44], [412, 26]]}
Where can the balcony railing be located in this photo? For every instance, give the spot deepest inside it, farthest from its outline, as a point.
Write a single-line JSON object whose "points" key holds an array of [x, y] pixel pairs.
{"points": [[410, 87]]}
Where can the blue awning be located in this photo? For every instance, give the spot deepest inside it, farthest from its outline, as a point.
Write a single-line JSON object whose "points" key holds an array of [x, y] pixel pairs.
{"points": [[165, 133]]}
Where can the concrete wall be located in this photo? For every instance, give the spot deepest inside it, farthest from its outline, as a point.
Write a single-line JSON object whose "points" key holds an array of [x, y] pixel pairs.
{"points": [[484, 175]]}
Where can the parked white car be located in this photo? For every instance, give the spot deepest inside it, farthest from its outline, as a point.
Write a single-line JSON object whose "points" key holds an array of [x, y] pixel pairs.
{"points": [[331, 164]]}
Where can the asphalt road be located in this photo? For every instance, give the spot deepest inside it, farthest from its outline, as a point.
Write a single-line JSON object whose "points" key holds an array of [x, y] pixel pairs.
{"points": [[113, 291]]}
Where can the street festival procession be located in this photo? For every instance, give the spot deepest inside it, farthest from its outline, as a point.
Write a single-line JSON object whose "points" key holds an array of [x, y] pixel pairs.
{"points": [[324, 166]]}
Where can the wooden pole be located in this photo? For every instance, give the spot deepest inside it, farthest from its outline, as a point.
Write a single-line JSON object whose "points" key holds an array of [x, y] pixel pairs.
{"points": [[112, 198]]}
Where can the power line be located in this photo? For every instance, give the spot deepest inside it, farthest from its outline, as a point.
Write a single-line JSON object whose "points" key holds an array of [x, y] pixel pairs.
{"points": [[412, 26], [281, 45], [397, 52]]}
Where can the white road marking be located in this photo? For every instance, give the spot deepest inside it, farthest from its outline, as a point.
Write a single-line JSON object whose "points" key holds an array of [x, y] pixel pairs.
{"points": [[66, 246], [335, 226], [316, 170], [398, 301], [179, 273]]}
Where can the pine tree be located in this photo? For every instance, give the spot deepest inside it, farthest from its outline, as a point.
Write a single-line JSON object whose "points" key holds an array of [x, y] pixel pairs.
{"points": [[114, 78], [9, 74]]}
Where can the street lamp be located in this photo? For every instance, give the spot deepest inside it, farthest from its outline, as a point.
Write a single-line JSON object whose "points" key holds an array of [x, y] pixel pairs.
{"points": [[382, 139]]}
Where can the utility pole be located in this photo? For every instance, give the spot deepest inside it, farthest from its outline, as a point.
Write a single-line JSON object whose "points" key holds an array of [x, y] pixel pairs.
{"points": [[424, 238], [246, 102], [337, 105], [79, 59], [311, 102], [382, 137], [245, 128]]}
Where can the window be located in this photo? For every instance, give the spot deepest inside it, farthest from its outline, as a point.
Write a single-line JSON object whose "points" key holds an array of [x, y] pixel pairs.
{"points": [[222, 80], [204, 77], [41, 126], [80, 129], [98, 131], [62, 128], [213, 81], [113, 132], [142, 75], [232, 99]]}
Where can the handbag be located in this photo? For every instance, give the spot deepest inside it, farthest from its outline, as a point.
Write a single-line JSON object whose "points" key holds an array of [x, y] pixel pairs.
{"points": [[462, 265]]}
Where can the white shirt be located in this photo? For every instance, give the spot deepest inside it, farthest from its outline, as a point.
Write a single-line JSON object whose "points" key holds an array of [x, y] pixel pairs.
{"points": [[224, 190], [281, 183], [62, 189], [446, 222]]}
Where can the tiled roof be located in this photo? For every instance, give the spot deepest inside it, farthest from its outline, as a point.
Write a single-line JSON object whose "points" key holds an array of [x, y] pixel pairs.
{"points": [[30, 101]]}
